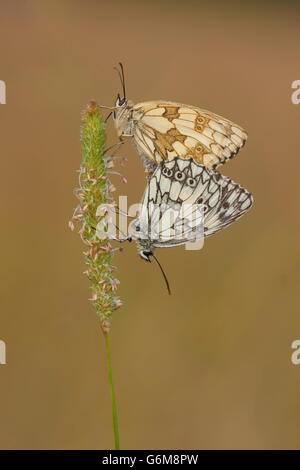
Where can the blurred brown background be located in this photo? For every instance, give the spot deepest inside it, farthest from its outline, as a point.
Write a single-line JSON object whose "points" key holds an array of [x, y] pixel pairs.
{"points": [[208, 367]]}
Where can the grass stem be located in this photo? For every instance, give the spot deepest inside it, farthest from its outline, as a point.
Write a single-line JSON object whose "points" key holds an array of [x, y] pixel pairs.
{"points": [[112, 392]]}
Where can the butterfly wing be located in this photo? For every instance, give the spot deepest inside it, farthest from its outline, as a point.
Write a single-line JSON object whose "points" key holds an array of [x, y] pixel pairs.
{"points": [[233, 201], [164, 220], [182, 183], [165, 130]]}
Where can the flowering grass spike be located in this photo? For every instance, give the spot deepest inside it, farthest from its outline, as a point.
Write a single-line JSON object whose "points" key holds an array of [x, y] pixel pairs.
{"points": [[96, 190]]}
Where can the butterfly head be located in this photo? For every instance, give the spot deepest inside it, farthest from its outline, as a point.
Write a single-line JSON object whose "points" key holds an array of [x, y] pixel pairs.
{"points": [[120, 102], [122, 111], [144, 245], [145, 254]]}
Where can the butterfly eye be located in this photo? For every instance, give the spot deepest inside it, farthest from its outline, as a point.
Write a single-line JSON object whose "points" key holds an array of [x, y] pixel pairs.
{"points": [[225, 205], [191, 182], [167, 172], [120, 101], [179, 176]]}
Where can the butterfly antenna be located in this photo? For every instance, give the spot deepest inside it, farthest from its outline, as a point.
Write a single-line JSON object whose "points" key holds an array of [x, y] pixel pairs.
{"points": [[164, 274], [122, 78]]}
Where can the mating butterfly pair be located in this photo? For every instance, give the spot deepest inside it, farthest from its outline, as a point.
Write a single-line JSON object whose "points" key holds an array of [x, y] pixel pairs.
{"points": [[181, 147]]}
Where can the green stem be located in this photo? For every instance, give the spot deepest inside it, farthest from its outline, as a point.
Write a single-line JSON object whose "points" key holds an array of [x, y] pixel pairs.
{"points": [[112, 392]]}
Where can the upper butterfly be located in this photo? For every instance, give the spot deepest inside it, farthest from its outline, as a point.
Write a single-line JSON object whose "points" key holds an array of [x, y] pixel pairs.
{"points": [[163, 130]]}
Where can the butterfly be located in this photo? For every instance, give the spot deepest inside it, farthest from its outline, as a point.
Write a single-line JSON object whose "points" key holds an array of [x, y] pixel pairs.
{"points": [[164, 130], [214, 201]]}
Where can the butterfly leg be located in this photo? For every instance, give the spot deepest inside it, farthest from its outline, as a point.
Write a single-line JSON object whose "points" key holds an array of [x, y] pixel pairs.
{"points": [[122, 240], [117, 145]]}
